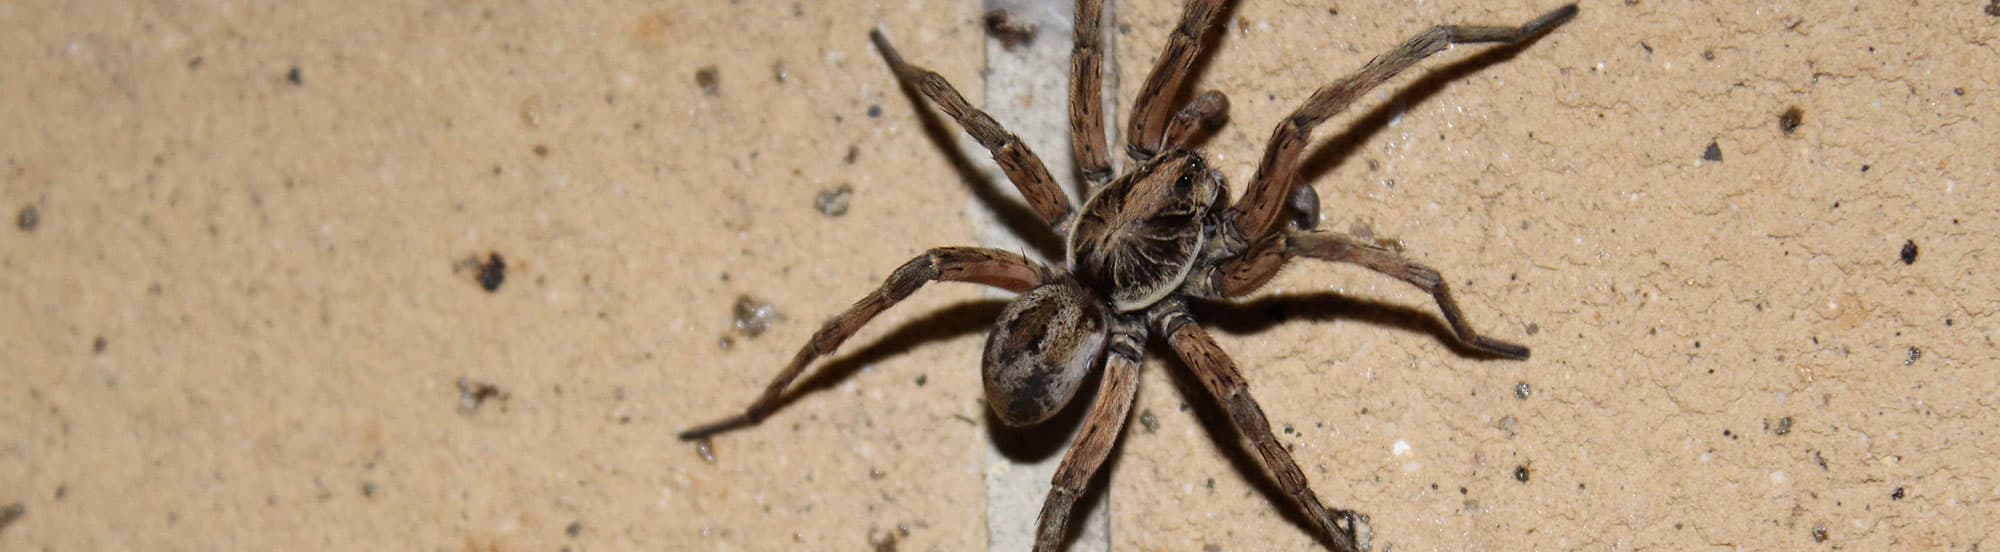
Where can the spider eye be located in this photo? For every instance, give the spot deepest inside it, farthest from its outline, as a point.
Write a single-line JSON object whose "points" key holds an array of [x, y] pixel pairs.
{"points": [[1184, 184]]}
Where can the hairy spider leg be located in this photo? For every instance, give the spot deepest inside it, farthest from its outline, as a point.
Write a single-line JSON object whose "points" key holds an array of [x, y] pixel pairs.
{"points": [[992, 267]]}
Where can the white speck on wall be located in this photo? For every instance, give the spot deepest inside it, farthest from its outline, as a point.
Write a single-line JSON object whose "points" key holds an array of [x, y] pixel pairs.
{"points": [[1401, 448], [1705, 457], [1778, 477], [1412, 467]]}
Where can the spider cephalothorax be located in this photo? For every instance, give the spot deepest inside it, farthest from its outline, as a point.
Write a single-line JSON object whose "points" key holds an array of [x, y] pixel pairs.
{"points": [[1140, 247], [1138, 237]]}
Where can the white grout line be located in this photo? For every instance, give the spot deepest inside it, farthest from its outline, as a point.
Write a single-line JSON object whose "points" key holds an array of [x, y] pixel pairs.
{"points": [[1027, 90]]}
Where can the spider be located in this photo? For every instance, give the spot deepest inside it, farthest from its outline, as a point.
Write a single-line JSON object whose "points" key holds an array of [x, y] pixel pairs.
{"points": [[1139, 248]]}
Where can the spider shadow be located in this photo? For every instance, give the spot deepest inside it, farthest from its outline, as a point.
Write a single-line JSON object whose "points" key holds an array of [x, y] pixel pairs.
{"points": [[1336, 149], [950, 322], [1264, 313], [1013, 214]]}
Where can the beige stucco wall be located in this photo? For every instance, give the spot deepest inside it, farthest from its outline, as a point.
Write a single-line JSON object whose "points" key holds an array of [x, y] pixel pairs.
{"points": [[275, 269]]}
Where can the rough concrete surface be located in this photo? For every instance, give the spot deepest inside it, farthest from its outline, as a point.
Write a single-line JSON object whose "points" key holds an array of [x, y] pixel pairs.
{"points": [[244, 292]]}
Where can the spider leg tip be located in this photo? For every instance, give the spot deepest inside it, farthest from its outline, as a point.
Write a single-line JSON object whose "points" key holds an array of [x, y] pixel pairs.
{"points": [[1551, 20]]}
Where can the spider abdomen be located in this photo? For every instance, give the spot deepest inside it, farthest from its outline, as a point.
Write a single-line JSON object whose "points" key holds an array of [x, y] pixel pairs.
{"points": [[1038, 354]]}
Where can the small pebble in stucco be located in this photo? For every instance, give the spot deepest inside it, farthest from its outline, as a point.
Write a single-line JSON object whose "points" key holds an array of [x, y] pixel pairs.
{"points": [[10, 514], [709, 81], [753, 316], [472, 394], [706, 449], [1790, 120], [1002, 26], [833, 202], [492, 272], [30, 217]]}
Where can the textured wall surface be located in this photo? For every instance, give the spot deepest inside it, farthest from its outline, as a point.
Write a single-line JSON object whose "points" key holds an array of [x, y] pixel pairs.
{"points": [[241, 301]]}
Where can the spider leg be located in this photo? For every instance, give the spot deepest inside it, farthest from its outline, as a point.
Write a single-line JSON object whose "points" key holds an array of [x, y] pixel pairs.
{"points": [[992, 267], [1086, 95], [1205, 112], [1146, 134], [1219, 376], [1341, 248], [1100, 431], [1277, 173], [1255, 267], [1023, 167]]}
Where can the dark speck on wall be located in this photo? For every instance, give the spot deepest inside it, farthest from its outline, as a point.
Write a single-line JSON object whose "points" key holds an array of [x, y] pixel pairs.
{"points": [[1791, 119], [10, 514], [752, 316], [295, 77], [1909, 253], [1712, 153], [1897, 494], [1011, 32], [473, 393], [833, 202], [708, 80], [493, 272], [1910, 358], [30, 217], [874, 111], [99, 345], [1521, 473]]}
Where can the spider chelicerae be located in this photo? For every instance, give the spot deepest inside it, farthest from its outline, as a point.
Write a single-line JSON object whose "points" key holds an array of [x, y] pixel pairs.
{"points": [[1139, 247]]}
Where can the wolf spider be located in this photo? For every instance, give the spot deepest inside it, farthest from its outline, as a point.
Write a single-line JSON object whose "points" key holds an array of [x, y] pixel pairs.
{"points": [[1139, 247]]}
